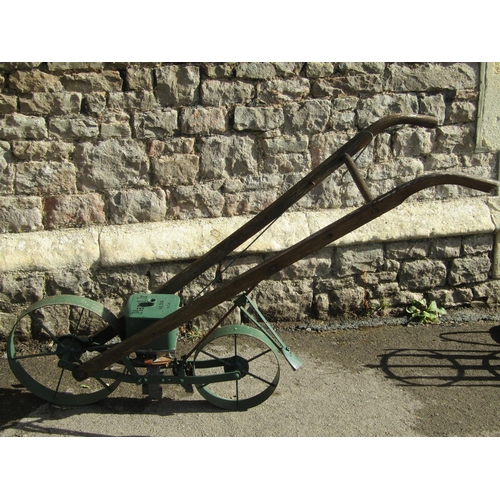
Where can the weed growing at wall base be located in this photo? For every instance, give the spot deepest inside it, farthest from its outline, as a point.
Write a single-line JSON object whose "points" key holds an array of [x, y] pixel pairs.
{"points": [[424, 313]]}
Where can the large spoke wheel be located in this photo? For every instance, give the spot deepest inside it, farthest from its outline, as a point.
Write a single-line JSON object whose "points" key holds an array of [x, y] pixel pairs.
{"points": [[242, 349], [53, 336]]}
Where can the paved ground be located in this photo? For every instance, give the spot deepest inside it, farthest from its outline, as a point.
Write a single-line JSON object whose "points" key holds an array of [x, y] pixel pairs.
{"points": [[440, 380]]}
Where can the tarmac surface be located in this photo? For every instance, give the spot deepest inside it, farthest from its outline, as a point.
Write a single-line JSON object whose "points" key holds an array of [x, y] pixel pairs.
{"points": [[368, 380]]}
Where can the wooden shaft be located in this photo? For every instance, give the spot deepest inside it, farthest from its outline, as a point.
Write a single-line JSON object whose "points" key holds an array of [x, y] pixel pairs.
{"points": [[252, 277], [278, 207]]}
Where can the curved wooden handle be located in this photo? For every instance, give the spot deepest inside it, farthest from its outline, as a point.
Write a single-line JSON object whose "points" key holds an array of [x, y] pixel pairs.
{"points": [[393, 120], [252, 277]]}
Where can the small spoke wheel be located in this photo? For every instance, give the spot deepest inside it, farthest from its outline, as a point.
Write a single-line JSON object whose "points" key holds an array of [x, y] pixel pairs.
{"points": [[53, 336], [242, 349]]}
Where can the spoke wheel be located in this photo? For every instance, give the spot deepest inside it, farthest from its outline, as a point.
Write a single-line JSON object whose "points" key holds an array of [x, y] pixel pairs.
{"points": [[243, 349], [53, 336]]}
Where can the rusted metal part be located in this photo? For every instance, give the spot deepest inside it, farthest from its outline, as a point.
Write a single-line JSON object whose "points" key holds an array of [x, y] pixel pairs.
{"points": [[249, 279]]}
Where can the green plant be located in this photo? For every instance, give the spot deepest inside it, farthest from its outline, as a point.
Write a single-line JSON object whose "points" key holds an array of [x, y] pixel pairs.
{"points": [[425, 313]]}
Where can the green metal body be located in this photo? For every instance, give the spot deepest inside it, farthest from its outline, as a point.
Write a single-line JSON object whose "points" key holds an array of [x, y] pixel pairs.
{"points": [[143, 310]]}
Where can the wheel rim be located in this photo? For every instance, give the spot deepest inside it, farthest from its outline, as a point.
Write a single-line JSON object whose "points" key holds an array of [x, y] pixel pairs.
{"points": [[238, 348], [52, 337]]}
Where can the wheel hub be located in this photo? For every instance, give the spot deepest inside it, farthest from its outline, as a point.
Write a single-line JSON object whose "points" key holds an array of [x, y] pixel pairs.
{"points": [[236, 363]]}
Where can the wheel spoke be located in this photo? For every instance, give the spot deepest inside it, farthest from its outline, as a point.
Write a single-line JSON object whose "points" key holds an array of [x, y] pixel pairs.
{"points": [[37, 355], [41, 325], [59, 382], [259, 378], [263, 353]]}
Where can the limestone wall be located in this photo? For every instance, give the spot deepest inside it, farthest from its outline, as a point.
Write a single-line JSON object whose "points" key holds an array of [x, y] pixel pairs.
{"points": [[114, 175]]}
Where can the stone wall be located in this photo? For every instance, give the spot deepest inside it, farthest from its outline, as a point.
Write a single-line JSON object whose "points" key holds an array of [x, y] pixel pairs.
{"points": [[91, 153]]}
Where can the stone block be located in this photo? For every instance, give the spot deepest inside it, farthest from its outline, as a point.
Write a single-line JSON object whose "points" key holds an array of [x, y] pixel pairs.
{"points": [[261, 118], [42, 150], [284, 300], [477, 244], [137, 205], [427, 77], [344, 296], [115, 125], [408, 250], [177, 85], [94, 104], [176, 169], [12, 66], [247, 203], [130, 102], [287, 163], [73, 129], [182, 145], [343, 120], [18, 126], [7, 171], [105, 81], [8, 104], [53, 103], [285, 144], [155, 124], [282, 91], [354, 260], [226, 93], [308, 117], [139, 78], [288, 69], [74, 211], [469, 270], [319, 69], [73, 282], [255, 70], [75, 66], [228, 156], [45, 178], [20, 214], [455, 138], [422, 275], [223, 70], [433, 105], [362, 67], [28, 82], [416, 142], [446, 248], [22, 288], [112, 164], [376, 107], [461, 112], [198, 201], [204, 121]]}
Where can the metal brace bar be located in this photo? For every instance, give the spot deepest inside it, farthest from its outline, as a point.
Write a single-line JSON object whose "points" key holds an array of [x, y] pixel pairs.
{"points": [[292, 359]]}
